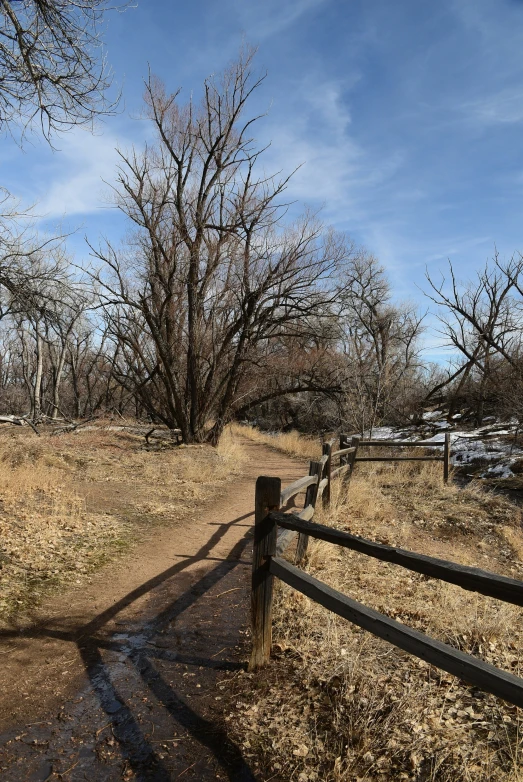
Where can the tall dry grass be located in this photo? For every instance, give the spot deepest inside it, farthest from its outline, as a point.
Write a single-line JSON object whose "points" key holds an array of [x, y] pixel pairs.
{"points": [[292, 443], [338, 704], [51, 535]]}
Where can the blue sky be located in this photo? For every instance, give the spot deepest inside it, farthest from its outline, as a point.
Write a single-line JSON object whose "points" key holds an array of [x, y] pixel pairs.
{"points": [[407, 116]]}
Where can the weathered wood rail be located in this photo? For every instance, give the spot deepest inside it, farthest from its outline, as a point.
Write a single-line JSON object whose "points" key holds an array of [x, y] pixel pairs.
{"points": [[445, 457], [317, 485], [274, 531]]}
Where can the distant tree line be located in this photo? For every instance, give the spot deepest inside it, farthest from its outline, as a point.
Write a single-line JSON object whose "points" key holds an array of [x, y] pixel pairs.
{"points": [[223, 303]]}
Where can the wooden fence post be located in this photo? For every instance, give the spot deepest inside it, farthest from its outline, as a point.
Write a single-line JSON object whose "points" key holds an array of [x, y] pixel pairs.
{"points": [[327, 450], [446, 458], [354, 443], [267, 499], [315, 468], [343, 444]]}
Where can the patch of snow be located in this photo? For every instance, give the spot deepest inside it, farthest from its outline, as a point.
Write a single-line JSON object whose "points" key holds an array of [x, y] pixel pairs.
{"points": [[495, 429], [498, 471], [431, 416], [438, 439], [464, 450], [382, 433]]}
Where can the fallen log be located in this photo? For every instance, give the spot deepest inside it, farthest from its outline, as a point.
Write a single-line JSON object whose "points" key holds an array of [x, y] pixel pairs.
{"points": [[18, 421]]}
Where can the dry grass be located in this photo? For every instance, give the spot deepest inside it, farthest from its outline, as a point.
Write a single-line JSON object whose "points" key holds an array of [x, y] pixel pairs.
{"points": [[338, 704], [70, 503], [292, 443]]}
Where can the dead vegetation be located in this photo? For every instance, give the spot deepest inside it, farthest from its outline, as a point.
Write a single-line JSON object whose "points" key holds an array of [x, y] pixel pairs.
{"points": [[293, 443], [338, 704], [70, 504]]}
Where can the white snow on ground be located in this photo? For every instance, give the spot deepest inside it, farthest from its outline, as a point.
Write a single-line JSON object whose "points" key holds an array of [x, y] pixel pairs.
{"points": [[467, 447], [436, 439], [498, 471], [382, 433]]}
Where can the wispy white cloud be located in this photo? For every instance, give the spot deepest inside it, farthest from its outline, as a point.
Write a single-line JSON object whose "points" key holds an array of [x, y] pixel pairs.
{"points": [[459, 245], [335, 168], [272, 17], [73, 182], [491, 39], [504, 106]]}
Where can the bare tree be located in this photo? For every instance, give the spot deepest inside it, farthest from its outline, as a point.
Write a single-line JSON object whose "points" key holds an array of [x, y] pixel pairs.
{"points": [[51, 66], [59, 326], [213, 280], [483, 321], [380, 342], [89, 368], [483, 310]]}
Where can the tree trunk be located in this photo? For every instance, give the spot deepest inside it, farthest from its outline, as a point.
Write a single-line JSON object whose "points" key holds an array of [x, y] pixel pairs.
{"points": [[57, 381], [37, 390]]}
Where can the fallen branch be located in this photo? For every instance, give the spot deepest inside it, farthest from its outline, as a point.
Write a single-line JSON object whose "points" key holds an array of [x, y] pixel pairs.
{"points": [[73, 426], [18, 421]]}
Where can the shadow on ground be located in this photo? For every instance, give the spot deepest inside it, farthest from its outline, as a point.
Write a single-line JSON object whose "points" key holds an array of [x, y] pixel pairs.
{"points": [[154, 710]]}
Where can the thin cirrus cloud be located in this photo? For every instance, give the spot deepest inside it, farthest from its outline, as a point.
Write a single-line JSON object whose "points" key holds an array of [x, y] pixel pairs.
{"points": [[78, 175], [333, 170], [504, 106], [273, 17]]}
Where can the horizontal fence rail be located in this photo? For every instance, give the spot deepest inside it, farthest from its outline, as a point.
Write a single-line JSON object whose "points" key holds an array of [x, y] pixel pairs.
{"points": [[295, 488], [473, 579], [445, 458], [486, 677], [401, 443], [343, 452], [273, 533], [341, 470], [400, 459]]}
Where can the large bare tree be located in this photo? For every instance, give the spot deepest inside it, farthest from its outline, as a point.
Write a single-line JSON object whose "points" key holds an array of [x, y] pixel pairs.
{"points": [[214, 280], [51, 69]]}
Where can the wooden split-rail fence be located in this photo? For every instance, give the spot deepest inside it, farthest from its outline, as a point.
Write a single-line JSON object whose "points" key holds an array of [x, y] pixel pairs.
{"points": [[445, 457], [274, 530]]}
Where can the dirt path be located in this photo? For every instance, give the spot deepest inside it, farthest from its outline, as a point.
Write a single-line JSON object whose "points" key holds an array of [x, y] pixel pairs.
{"points": [[125, 678]]}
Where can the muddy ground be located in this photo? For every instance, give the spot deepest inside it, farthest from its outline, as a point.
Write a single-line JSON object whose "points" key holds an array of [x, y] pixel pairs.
{"points": [[129, 677]]}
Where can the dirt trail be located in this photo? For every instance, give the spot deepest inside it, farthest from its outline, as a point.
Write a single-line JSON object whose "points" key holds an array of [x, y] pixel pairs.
{"points": [[120, 679]]}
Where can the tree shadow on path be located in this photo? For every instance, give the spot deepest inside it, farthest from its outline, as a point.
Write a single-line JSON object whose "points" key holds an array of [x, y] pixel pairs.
{"points": [[153, 652]]}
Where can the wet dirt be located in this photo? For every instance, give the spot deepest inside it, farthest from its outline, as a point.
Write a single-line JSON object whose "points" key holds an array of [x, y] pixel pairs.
{"points": [[130, 677]]}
